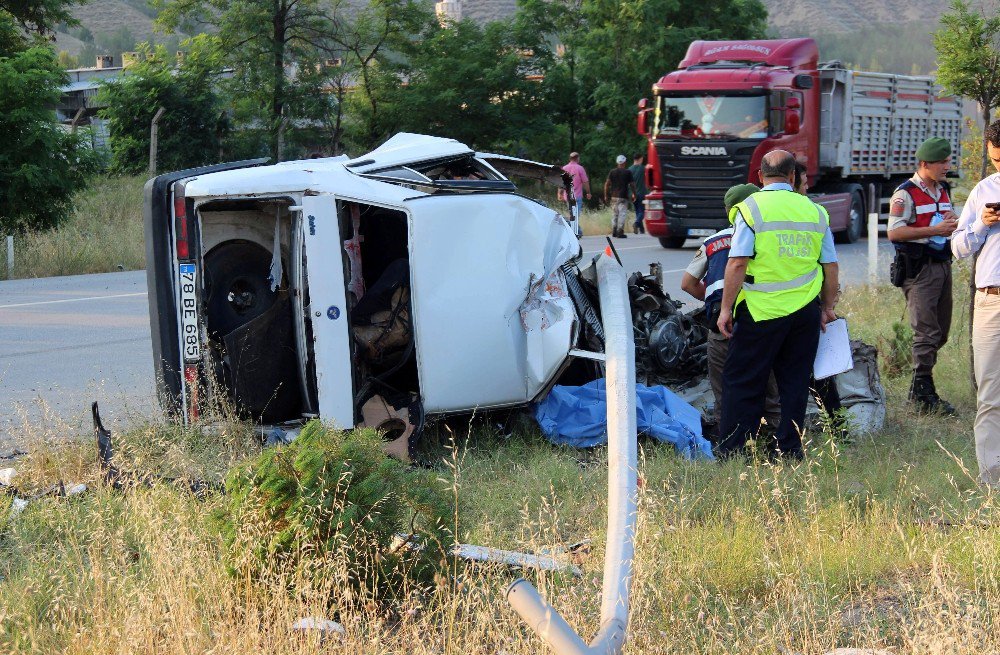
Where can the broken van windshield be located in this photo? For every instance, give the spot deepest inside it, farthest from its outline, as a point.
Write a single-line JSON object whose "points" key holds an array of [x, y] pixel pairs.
{"points": [[708, 116]]}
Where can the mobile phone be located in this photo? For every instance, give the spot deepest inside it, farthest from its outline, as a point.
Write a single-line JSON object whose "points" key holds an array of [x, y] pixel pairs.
{"points": [[992, 205]]}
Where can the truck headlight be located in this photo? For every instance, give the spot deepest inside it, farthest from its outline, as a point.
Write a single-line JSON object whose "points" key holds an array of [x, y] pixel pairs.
{"points": [[654, 205]]}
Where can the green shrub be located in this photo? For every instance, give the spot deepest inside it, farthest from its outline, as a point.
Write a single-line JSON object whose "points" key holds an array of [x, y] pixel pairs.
{"points": [[323, 514], [896, 351]]}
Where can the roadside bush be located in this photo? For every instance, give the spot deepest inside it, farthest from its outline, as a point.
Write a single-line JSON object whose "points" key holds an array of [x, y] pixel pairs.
{"points": [[322, 514], [192, 126], [41, 165]]}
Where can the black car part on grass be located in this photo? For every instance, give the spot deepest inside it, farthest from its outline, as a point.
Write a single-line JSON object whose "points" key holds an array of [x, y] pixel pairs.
{"points": [[671, 347], [120, 480]]}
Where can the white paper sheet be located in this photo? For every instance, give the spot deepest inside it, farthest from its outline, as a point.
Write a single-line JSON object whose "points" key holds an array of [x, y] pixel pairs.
{"points": [[833, 355]]}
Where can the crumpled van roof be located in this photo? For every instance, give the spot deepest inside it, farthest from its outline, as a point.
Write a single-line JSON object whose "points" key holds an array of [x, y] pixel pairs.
{"points": [[338, 175]]}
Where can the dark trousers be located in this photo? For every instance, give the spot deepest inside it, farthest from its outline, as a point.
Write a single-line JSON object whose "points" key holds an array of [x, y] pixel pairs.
{"points": [[640, 211], [928, 299], [786, 345]]}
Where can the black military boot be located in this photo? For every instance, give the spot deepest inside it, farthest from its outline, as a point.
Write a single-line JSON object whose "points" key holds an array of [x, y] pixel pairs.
{"points": [[925, 397]]}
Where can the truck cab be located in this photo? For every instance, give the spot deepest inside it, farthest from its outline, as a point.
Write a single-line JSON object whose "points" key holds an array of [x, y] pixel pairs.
{"points": [[712, 120]]}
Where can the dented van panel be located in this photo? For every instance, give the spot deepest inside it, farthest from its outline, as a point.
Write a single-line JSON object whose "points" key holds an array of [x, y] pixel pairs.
{"points": [[484, 272]]}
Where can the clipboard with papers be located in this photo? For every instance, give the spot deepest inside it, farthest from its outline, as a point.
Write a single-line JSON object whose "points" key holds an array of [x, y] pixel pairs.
{"points": [[833, 355]]}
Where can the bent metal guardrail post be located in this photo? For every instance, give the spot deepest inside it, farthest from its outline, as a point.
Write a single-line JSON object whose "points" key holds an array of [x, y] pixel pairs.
{"points": [[620, 381]]}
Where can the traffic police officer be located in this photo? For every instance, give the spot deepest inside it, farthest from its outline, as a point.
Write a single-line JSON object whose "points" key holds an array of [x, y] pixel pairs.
{"points": [[703, 280], [780, 289], [920, 221]]}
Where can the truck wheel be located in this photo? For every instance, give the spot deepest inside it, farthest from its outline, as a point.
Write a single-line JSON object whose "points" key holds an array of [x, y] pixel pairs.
{"points": [[672, 243], [855, 221]]}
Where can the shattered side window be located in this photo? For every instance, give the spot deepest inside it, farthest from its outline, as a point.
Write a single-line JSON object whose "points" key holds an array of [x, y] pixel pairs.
{"points": [[403, 173]]}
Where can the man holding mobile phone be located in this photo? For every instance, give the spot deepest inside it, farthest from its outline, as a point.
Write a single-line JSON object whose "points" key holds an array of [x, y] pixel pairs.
{"points": [[977, 233], [920, 221]]}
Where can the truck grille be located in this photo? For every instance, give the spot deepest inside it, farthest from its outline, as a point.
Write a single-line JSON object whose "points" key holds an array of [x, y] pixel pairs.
{"points": [[694, 185]]}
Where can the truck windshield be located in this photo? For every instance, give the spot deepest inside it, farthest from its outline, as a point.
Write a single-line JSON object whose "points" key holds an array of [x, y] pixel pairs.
{"points": [[708, 116]]}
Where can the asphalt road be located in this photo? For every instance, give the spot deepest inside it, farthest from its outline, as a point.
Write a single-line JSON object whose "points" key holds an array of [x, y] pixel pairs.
{"points": [[67, 341]]}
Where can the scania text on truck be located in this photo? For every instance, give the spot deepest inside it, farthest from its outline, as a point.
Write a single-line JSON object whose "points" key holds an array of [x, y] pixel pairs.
{"points": [[730, 102]]}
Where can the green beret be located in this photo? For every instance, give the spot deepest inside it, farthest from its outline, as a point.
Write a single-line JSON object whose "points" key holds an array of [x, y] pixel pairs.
{"points": [[935, 148], [737, 194]]}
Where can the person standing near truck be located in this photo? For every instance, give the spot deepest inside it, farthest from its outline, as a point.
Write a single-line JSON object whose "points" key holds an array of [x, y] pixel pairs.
{"points": [[638, 170], [619, 191], [780, 289], [920, 221], [581, 186], [978, 233]]}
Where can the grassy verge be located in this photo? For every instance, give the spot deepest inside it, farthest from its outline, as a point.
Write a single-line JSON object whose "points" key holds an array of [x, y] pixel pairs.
{"points": [[102, 234], [881, 542]]}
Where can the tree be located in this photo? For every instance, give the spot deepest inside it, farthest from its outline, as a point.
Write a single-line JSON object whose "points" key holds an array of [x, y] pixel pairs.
{"points": [[969, 65], [626, 46], [563, 22], [968, 48], [39, 16], [376, 41], [264, 41], [42, 165], [477, 84], [189, 131]]}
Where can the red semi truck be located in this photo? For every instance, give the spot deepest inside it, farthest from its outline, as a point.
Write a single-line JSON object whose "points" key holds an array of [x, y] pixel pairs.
{"points": [[730, 102]]}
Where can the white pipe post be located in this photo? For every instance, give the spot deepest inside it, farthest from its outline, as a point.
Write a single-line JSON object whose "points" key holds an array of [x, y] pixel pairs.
{"points": [[622, 484], [873, 207], [10, 256]]}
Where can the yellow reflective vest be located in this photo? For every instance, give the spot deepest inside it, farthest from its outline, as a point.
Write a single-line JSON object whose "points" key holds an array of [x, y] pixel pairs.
{"points": [[784, 274]]}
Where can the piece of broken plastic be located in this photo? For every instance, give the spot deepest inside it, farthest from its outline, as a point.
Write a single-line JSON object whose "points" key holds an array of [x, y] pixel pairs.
{"points": [[577, 416]]}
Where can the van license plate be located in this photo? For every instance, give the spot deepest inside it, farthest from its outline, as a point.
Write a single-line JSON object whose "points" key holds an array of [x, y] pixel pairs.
{"points": [[700, 232], [189, 313]]}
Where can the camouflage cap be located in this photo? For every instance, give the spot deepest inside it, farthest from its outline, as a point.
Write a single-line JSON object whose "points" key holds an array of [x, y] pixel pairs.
{"points": [[935, 148]]}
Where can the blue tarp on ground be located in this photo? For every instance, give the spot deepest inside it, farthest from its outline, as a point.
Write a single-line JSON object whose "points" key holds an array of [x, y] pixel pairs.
{"points": [[577, 416]]}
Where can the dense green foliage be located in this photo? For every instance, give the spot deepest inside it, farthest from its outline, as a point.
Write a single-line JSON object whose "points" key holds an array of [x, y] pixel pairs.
{"points": [[486, 97], [191, 128], [41, 165], [560, 75], [968, 48], [38, 16], [331, 503]]}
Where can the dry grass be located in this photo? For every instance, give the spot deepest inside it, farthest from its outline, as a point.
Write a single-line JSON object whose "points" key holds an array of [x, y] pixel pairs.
{"points": [[104, 233], [597, 222], [885, 542]]}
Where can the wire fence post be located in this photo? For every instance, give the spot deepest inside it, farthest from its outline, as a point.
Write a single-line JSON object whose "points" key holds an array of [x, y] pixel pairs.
{"points": [[153, 129], [10, 256]]}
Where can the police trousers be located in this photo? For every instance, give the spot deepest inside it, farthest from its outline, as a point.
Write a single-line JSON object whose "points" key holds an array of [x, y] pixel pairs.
{"points": [[929, 303], [787, 345], [718, 350]]}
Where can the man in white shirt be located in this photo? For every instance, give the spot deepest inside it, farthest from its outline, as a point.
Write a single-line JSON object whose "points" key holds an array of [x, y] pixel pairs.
{"points": [[978, 233]]}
